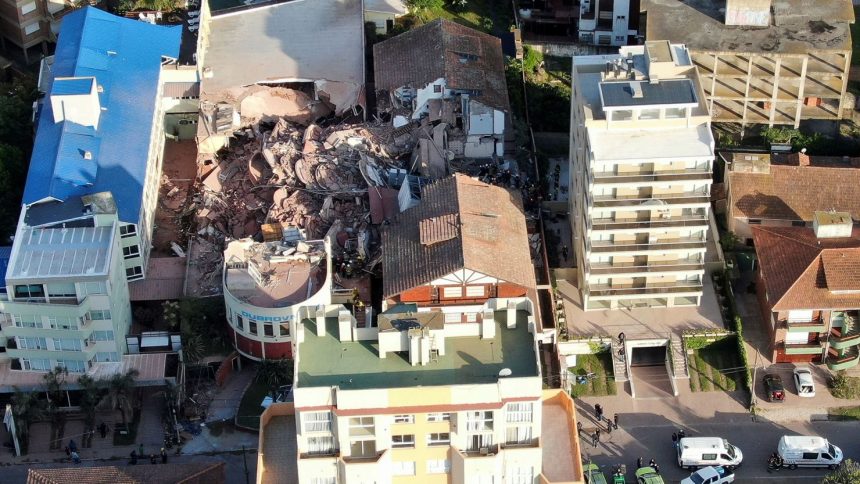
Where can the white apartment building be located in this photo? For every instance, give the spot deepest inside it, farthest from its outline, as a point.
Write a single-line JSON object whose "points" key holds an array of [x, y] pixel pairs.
{"points": [[641, 159], [607, 22], [86, 223]]}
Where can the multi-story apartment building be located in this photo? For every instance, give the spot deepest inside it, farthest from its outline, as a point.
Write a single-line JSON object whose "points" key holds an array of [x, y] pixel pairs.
{"points": [[641, 154], [86, 222], [608, 22], [771, 62], [809, 292], [31, 23]]}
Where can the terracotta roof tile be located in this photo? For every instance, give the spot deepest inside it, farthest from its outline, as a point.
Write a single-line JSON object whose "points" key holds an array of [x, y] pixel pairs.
{"points": [[170, 473], [492, 229], [801, 271], [792, 192], [466, 58]]}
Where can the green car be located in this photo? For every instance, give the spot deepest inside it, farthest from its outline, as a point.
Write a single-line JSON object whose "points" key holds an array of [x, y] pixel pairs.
{"points": [[647, 475], [593, 474]]}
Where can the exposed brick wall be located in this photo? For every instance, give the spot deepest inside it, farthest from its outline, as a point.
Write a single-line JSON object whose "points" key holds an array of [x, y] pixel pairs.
{"points": [[225, 370]]}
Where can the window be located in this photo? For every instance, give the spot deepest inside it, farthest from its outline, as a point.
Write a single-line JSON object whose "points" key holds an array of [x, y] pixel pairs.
{"points": [[32, 28], [67, 344], [102, 336], [240, 322], [709, 456], [25, 9], [475, 291], [99, 287], [285, 329], [100, 315], [361, 427], [269, 330], [35, 364], [439, 417], [619, 38], [323, 480], [404, 419], [521, 475], [317, 421], [649, 114], [622, 115], [402, 441], [403, 468], [62, 289], [135, 272], [676, 113], [754, 221], [479, 421], [28, 291], [477, 442], [362, 448], [520, 412], [452, 291], [471, 317], [73, 366], [438, 438], [128, 230], [453, 317], [518, 434], [27, 321], [32, 343], [810, 455], [437, 88], [438, 466], [131, 251], [107, 356], [321, 445], [63, 323], [252, 327]]}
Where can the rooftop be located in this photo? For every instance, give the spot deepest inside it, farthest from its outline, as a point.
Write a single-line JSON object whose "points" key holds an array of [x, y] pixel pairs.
{"points": [[325, 361], [170, 473], [152, 370], [278, 448], [466, 58], [280, 41], [802, 271], [670, 143], [644, 93], [124, 57], [165, 279], [272, 274], [81, 251], [459, 223], [796, 26], [784, 189]]}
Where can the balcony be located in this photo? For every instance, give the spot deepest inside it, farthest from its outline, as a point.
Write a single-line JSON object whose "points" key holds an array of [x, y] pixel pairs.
{"points": [[671, 176], [658, 246], [842, 360], [802, 349], [693, 198], [679, 266], [841, 339], [603, 290], [610, 224], [814, 325]]}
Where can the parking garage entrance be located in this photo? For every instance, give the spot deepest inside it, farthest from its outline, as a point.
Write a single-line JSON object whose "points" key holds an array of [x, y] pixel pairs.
{"points": [[648, 372]]}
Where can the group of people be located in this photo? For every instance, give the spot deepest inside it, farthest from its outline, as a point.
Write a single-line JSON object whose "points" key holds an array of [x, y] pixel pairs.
{"points": [[677, 436], [610, 425], [72, 448], [153, 459], [652, 464]]}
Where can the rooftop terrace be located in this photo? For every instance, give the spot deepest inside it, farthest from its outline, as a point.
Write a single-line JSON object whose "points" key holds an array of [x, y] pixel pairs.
{"points": [[325, 361]]}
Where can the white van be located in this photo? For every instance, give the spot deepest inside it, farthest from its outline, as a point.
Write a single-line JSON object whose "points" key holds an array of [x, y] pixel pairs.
{"points": [[808, 451], [695, 452]]}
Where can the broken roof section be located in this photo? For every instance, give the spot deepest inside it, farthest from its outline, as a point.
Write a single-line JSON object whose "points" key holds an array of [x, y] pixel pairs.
{"points": [[459, 223], [94, 130], [466, 58], [295, 41]]}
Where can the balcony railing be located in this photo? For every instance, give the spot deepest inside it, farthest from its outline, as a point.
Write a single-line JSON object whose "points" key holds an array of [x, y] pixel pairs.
{"points": [[681, 175], [609, 224], [604, 290], [655, 246], [841, 339], [815, 324], [842, 360], [679, 199], [802, 348], [662, 267]]}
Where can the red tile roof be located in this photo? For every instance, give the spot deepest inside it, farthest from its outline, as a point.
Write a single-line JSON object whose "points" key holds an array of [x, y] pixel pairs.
{"points": [[143, 473], [801, 271]]}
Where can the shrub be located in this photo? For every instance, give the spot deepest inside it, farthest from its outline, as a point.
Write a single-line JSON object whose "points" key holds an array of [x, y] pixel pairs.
{"points": [[843, 386]]}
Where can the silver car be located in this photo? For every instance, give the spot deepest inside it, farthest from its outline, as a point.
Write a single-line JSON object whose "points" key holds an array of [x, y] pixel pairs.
{"points": [[804, 383]]}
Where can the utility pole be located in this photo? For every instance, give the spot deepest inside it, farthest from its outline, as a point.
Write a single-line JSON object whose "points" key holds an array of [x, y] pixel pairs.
{"points": [[245, 462]]}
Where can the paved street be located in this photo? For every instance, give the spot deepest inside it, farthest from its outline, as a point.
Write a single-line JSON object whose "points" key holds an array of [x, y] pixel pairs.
{"points": [[649, 435]]}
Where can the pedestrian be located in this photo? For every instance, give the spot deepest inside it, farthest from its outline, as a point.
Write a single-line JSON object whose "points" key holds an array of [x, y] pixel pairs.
{"points": [[73, 446], [615, 421], [674, 440], [597, 434], [152, 459], [594, 439], [76, 458], [609, 428], [681, 435], [140, 451], [652, 463], [656, 468], [163, 456], [578, 428], [639, 463], [103, 430], [564, 252], [68, 451], [598, 411]]}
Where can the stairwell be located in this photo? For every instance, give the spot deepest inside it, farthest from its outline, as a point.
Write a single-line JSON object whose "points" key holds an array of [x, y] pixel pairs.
{"points": [[679, 357], [619, 361]]}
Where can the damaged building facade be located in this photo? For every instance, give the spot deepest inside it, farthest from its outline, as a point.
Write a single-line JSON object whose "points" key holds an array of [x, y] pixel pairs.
{"points": [[265, 61], [771, 62], [448, 82], [86, 223]]}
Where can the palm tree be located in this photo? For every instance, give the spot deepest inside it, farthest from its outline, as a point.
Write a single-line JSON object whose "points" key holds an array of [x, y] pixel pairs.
{"points": [[54, 382], [119, 397], [26, 408], [89, 400], [193, 347]]}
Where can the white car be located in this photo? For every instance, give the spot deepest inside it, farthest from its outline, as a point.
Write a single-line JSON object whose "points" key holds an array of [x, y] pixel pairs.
{"points": [[804, 383], [710, 475]]}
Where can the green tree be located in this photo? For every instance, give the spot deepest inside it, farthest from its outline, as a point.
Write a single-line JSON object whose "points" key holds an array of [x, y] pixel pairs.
{"points": [[55, 381], [26, 409], [729, 241], [274, 373], [193, 347], [16, 111], [418, 6], [89, 389], [848, 473], [120, 394]]}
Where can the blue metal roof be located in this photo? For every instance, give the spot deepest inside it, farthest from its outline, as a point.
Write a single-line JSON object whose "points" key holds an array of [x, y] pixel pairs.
{"points": [[124, 56], [72, 86]]}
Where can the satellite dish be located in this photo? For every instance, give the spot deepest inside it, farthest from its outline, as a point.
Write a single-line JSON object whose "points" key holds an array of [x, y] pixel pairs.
{"points": [[505, 372]]}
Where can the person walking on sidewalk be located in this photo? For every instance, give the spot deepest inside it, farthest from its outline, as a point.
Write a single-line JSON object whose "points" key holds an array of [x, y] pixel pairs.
{"points": [[598, 411], [163, 456], [639, 463], [615, 421], [674, 440]]}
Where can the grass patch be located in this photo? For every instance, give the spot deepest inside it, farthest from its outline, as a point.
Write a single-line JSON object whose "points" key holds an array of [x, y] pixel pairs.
{"points": [[847, 387], [714, 367], [130, 436], [491, 16], [844, 413], [249, 408], [603, 382]]}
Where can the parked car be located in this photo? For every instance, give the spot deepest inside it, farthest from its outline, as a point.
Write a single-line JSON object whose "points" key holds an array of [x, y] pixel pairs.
{"points": [[696, 452], [593, 474], [648, 475], [774, 388], [808, 451], [804, 383], [711, 475]]}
